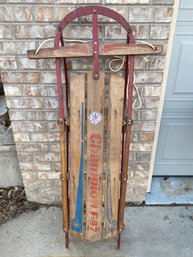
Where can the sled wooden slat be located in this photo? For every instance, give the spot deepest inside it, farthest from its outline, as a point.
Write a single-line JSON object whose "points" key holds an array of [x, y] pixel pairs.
{"points": [[127, 49], [95, 127], [76, 161], [114, 151], [72, 50], [85, 50]]}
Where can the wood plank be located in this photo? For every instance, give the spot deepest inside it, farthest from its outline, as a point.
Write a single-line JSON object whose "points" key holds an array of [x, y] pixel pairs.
{"points": [[114, 151], [72, 50], [109, 49], [76, 147], [85, 50], [95, 127]]}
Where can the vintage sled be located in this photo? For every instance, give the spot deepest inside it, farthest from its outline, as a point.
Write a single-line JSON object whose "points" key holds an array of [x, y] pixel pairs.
{"points": [[94, 129]]}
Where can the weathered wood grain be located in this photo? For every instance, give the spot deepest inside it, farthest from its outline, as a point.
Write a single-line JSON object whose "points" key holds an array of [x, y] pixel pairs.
{"points": [[85, 50], [76, 147], [128, 49], [114, 151], [72, 50], [95, 127]]}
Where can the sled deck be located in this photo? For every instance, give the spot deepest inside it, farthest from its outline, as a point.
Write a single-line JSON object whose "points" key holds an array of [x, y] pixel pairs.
{"points": [[95, 119]]}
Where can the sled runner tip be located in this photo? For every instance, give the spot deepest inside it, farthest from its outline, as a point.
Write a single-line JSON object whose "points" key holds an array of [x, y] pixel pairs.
{"points": [[119, 241], [66, 240]]}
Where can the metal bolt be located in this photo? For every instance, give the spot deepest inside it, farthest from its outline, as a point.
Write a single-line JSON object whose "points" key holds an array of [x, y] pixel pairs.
{"points": [[59, 28], [95, 43], [96, 76], [94, 11]]}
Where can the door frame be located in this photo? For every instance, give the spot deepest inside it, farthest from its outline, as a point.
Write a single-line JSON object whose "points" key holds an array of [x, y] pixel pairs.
{"points": [[163, 90]]}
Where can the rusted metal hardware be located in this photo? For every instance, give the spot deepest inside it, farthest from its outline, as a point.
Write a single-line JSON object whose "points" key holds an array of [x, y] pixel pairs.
{"points": [[127, 122], [95, 44], [122, 177]]}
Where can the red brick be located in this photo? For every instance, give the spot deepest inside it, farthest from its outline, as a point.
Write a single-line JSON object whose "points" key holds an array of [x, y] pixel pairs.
{"points": [[127, 1], [39, 90], [35, 166], [26, 63], [12, 90], [16, 47], [51, 13], [143, 156], [21, 137], [140, 31], [5, 31], [30, 126], [162, 14], [43, 137], [151, 103], [140, 14], [148, 115], [15, 13], [46, 157], [33, 31], [31, 147], [146, 137], [33, 103], [20, 77], [159, 31], [8, 63], [41, 115], [152, 91], [148, 77], [163, 1]]}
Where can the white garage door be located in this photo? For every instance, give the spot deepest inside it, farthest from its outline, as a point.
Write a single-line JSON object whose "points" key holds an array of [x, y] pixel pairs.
{"points": [[175, 144]]}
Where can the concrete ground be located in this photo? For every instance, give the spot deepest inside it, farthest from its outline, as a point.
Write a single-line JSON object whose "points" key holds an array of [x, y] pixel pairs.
{"points": [[150, 232]]}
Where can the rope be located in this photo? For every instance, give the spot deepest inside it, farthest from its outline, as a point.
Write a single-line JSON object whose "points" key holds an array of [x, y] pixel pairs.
{"points": [[52, 38], [122, 59]]}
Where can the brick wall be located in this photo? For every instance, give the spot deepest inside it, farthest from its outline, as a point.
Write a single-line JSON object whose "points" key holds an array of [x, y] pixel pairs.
{"points": [[30, 85]]}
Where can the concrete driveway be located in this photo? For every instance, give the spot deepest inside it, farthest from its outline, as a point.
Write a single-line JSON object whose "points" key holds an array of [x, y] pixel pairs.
{"points": [[150, 232]]}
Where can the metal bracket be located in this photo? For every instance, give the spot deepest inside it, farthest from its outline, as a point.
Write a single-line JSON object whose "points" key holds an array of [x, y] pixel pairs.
{"points": [[128, 122], [66, 122], [95, 45], [124, 178], [63, 178]]}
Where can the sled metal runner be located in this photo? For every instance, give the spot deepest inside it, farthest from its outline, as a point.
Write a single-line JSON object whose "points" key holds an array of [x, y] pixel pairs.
{"points": [[94, 143]]}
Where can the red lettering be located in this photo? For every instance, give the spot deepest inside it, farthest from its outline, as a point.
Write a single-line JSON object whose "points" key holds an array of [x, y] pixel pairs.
{"points": [[93, 194], [95, 146], [94, 205], [95, 229], [94, 157], [93, 188], [94, 214], [93, 183], [95, 139], [94, 177]]}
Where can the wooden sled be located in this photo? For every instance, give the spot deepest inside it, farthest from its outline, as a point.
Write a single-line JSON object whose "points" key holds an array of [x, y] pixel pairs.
{"points": [[95, 130]]}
